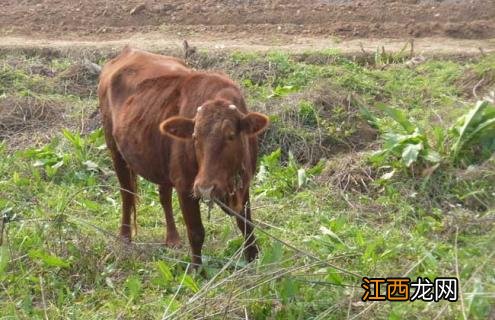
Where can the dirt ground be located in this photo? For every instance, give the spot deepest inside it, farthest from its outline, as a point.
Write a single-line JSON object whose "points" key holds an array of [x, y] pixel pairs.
{"points": [[438, 27], [111, 19]]}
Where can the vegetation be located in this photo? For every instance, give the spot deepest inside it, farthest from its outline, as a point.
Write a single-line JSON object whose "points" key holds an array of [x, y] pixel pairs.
{"points": [[406, 188]]}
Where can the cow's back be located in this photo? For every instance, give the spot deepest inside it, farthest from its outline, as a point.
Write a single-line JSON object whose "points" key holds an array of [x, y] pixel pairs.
{"points": [[137, 90], [120, 77]]}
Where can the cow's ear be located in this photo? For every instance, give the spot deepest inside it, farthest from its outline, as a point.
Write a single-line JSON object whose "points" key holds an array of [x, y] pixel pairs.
{"points": [[254, 123], [178, 128]]}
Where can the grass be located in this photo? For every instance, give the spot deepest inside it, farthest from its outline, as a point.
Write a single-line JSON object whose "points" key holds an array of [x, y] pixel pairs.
{"points": [[59, 197]]}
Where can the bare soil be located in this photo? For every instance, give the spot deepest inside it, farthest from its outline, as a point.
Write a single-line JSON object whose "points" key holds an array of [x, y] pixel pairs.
{"points": [[111, 19]]}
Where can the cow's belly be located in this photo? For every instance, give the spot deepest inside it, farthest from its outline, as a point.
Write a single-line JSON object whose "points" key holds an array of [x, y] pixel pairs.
{"points": [[146, 155]]}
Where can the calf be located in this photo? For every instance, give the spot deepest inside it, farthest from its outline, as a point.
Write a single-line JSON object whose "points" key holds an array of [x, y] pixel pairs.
{"points": [[181, 129]]}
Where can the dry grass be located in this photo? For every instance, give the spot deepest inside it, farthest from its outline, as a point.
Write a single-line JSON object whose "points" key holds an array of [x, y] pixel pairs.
{"points": [[79, 79], [258, 71], [475, 86], [28, 114], [333, 125], [349, 173], [481, 199]]}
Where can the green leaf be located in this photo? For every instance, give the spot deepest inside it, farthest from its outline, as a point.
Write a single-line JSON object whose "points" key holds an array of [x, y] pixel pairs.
{"points": [[301, 177], [480, 129], [48, 259], [4, 259], [368, 116], [378, 157], [288, 289], [190, 283], [282, 90], [91, 205], [74, 138], [410, 153], [317, 169], [164, 271], [273, 253], [133, 287], [334, 277], [272, 159], [399, 117], [474, 300], [471, 124], [432, 156], [324, 230]]}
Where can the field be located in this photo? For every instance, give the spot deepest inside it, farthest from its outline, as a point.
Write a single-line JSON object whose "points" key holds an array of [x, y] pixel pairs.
{"points": [[107, 19], [60, 200], [378, 162]]}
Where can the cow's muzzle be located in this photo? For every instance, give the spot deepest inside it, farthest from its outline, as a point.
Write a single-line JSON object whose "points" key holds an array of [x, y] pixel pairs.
{"points": [[207, 189], [204, 192]]}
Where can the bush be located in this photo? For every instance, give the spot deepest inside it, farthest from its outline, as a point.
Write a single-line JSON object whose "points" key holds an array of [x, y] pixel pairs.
{"points": [[470, 140], [405, 144]]}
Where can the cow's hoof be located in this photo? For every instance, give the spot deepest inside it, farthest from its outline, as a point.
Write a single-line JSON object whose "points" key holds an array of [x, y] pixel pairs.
{"points": [[125, 237], [197, 269], [173, 242], [251, 253]]}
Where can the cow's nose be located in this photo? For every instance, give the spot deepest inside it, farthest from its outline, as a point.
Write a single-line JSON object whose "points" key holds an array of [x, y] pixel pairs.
{"points": [[205, 190]]}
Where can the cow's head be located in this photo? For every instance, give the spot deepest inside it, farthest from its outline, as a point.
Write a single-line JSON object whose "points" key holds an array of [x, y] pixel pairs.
{"points": [[220, 133]]}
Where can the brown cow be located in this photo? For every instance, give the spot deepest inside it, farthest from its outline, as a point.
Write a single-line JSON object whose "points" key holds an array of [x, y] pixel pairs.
{"points": [[180, 129]]}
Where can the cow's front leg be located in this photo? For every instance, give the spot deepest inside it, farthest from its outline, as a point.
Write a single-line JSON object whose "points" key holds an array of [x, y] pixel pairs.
{"points": [[250, 247], [172, 238], [195, 229]]}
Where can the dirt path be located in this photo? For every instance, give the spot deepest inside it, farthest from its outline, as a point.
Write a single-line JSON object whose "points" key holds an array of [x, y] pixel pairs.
{"points": [[159, 41]]}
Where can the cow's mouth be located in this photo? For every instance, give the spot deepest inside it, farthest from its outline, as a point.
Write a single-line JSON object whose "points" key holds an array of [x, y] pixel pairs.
{"points": [[211, 201], [228, 199], [213, 193]]}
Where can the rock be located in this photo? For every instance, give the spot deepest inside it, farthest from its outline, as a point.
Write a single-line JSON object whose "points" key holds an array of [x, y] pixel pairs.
{"points": [[137, 9], [414, 61], [92, 67]]}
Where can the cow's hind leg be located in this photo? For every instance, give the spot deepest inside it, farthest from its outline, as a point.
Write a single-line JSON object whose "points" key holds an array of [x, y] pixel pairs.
{"points": [[125, 175], [172, 238], [128, 189], [128, 192]]}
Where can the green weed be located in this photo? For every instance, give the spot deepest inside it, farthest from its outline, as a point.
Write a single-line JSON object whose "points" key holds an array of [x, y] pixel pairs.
{"points": [[277, 180], [474, 134]]}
